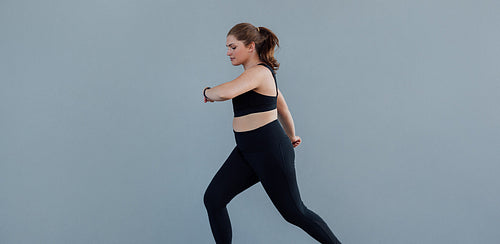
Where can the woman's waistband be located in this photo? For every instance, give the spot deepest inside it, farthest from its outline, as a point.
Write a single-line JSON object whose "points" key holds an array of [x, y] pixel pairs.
{"points": [[261, 138]]}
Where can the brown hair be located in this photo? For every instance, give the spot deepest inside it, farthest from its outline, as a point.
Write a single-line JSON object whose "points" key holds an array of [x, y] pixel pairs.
{"points": [[265, 41]]}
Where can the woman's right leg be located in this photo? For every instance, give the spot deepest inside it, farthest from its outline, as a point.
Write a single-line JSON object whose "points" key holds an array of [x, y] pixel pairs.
{"points": [[233, 177]]}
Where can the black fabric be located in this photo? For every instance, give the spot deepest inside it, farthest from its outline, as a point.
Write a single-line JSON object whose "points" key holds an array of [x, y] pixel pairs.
{"points": [[254, 102], [263, 155]]}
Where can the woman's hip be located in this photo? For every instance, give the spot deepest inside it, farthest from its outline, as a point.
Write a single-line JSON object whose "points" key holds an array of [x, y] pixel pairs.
{"points": [[265, 138]]}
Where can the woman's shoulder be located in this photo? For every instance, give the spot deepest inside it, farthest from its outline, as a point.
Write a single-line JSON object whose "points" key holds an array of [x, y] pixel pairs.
{"points": [[261, 71]]}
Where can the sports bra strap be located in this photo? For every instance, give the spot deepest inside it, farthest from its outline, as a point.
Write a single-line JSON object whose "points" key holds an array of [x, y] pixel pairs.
{"points": [[274, 75]]}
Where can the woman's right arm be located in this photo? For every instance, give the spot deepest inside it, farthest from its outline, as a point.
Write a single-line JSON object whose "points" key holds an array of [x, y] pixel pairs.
{"points": [[286, 120]]}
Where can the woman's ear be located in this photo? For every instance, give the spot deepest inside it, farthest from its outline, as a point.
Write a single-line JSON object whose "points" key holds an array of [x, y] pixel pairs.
{"points": [[251, 47]]}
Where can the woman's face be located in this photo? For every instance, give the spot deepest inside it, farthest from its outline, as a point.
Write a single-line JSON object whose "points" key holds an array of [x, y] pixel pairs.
{"points": [[237, 51]]}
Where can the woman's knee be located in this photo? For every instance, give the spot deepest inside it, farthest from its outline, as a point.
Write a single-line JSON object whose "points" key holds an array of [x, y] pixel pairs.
{"points": [[294, 214], [208, 199], [212, 200]]}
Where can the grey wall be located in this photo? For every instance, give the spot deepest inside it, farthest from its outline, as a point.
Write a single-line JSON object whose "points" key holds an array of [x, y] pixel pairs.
{"points": [[105, 139]]}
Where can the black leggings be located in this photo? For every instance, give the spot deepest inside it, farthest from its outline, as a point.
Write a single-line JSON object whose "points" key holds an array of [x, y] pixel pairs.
{"points": [[266, 155]]}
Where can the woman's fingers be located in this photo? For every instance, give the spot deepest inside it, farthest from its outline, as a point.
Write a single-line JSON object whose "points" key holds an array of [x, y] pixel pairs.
{"points": [[296, 141]]}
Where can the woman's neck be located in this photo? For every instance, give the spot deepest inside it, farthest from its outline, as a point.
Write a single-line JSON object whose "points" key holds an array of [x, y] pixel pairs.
{"points": [[254, 60]]}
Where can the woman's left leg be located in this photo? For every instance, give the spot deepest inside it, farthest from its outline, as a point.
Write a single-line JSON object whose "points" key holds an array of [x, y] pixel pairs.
{"points": [[234, 176]]}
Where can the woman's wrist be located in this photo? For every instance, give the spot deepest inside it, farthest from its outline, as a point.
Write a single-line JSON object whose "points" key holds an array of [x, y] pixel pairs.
{"points": [[205, 92]]}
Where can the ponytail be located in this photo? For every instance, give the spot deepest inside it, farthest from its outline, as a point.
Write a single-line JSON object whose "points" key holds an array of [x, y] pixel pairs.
{"points": [[265, 41], [266, 48]]}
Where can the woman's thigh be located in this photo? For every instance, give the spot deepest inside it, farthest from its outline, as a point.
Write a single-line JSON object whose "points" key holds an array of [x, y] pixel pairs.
{"points": [[276, 171], [234, 176]]}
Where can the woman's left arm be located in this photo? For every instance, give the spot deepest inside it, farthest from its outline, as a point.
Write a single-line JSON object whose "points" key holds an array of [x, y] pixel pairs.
{"points": [[248, 80]]}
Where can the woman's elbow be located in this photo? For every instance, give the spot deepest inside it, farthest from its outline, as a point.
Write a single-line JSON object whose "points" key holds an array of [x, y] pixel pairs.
{"points": [[283, 111]]}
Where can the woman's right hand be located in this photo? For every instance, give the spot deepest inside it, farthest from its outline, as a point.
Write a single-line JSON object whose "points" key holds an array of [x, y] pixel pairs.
{"points": [[295, 141]]}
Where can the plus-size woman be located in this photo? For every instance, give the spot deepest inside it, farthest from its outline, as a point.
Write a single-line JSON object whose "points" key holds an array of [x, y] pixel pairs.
{"points": [[265, 138]]}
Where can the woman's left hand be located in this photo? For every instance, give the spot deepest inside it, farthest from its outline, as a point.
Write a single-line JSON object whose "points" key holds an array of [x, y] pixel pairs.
{"points": [[206, 99], [296, 141]]}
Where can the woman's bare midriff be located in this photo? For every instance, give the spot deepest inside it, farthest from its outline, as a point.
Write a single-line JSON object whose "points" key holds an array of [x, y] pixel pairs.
{"points": [[253, 121]]}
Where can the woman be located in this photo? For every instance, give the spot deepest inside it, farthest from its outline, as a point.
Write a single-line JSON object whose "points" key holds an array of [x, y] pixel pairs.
{"points": [[264, 150]]}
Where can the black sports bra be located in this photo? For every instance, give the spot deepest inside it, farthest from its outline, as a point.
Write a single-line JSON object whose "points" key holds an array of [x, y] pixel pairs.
{"points": [[254, 102]]}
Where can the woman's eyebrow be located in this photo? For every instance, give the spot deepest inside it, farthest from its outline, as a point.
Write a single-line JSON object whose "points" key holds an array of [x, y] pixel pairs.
{"points": [[230, 44]]}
